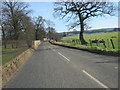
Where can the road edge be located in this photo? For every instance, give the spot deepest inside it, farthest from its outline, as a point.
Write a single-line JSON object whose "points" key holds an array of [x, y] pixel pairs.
{"points": [[10, 68], [100, 52]]}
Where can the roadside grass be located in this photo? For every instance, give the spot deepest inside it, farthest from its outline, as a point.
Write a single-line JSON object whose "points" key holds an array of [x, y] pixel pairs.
{"points": [[94, 49], [105, 36], [10, 53], [0, 55], [100, 49]]}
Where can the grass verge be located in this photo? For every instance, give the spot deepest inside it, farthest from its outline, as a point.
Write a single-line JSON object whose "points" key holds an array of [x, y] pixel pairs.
{"points": [[95, 49], [97, 36], [10, 53]]}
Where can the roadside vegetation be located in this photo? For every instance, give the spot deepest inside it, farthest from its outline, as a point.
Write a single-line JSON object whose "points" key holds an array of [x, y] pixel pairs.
{"points": [[19, 29], [11, 51], [96, 36], [73, 41], [77, 13]]}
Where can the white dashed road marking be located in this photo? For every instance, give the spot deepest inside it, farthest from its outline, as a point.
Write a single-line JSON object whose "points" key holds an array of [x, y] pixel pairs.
{"points": [[97, 81], [63, 56], [104, 86]]}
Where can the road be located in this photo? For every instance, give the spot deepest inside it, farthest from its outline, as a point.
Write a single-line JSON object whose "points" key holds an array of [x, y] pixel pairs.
{"points": [[53, 66]]}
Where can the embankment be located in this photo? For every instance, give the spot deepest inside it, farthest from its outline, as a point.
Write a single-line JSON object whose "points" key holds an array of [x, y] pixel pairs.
{"points": [[89, 49], [11, 67]]}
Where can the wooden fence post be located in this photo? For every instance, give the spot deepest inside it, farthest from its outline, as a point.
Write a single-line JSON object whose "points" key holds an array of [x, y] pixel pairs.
{"points": [[108, 43], [112, 43], [97, 42], [78, 41], [90, 42], [104, 43], [12, 45]]}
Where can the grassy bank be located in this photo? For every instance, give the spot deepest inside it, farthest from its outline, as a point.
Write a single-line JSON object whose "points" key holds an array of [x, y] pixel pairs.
{"points": [[88, 48], [67, 42], [99, 36], [10, 53]]}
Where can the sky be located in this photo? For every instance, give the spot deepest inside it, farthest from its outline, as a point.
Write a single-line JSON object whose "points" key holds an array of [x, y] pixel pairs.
{"points": [[45, 9]]}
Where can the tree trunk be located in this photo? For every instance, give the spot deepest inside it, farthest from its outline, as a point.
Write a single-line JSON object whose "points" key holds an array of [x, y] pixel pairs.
{"points": [[3, 38], [36, 34], [81, 37], [4, 43]]}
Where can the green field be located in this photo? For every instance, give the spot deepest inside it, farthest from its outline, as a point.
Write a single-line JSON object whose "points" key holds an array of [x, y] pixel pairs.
{"points": [[100, 36], [11, 49], [10, 53]]}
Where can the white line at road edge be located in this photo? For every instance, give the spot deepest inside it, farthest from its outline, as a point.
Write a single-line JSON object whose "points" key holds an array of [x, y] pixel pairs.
{"points": [[104, 86], [63, 56]]}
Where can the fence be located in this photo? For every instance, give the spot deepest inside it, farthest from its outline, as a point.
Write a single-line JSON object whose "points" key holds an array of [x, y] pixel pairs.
{"points": [[102, 43], [98, 42], [14, 43]]}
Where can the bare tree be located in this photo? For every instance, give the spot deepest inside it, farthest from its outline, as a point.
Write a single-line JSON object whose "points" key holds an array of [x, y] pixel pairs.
{"points": [[50, 23], [16, 24], [39, 27], [82, 11], [50, 28], [50, 33], [12, 12], [28, 32]]}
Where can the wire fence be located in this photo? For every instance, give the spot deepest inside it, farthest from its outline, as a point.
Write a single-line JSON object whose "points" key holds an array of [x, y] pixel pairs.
{"points": [[111, 44]]}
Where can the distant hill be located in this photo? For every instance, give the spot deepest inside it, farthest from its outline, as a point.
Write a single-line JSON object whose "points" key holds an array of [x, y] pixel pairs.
{"points": [[91, 31], [103, 30]]}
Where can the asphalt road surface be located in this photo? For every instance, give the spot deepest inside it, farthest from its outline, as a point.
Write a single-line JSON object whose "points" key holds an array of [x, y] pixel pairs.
{"points": [[53, 66]]}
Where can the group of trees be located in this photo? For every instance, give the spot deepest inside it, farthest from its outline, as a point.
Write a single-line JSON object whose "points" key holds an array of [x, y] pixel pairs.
{"points": [[39, 28], [52, 34], [18, 25]]}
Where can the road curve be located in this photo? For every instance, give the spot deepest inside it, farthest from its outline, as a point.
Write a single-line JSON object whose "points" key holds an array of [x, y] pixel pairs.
{"points": [[53, 66]]}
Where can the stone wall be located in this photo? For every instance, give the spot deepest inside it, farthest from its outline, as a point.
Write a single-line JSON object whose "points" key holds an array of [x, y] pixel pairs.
{"points": [[10, 68], [36, 43]]}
